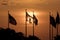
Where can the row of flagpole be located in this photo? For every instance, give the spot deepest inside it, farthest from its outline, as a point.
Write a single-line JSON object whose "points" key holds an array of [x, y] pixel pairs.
{"points": [[35, 21], [53, 23], [12, 20]]}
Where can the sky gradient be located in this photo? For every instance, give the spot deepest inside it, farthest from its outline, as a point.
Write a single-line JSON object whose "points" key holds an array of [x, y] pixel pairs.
{"points": [[41, 10]]}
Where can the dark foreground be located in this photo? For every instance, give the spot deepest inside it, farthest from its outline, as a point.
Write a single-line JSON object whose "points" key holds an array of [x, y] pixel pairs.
{"points": [[10, 34], [57, 37]]}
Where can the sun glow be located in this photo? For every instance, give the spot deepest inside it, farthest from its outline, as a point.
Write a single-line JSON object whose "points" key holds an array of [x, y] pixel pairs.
{"points": [[29, 21], [31, 14]]}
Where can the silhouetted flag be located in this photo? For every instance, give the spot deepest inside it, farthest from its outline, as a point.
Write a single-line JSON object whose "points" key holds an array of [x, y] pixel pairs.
{"points": [[52, 21], [57, 18], [35, 20], [28, 16], [12, 20]]}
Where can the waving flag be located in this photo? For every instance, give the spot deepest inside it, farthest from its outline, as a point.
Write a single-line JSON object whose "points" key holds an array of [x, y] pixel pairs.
{"points": [[28, 17], [12, 20], [52, 21], [57, 18], [35, 20]]}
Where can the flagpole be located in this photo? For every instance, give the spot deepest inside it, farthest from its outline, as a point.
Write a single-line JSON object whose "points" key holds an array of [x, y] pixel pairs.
{"points": [[26, 24], [8, 18], [57, 21], [57, 29], [52, 30], [26, 28], [8, 14], [49, 30], [33, 27], [33, 24]]}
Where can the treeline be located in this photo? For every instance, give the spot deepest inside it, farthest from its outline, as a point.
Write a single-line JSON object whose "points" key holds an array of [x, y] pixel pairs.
{"points": [[10, 34]]}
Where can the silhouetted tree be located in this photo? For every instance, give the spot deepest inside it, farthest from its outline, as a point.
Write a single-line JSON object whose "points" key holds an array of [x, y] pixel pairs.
{"points": [[10, 34], [57, 37]]}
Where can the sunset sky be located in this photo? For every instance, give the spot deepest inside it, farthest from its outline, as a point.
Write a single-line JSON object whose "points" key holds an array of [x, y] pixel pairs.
{"points": [[41, 10]]}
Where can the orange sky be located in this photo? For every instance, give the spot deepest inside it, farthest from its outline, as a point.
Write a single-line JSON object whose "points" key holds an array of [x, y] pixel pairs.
{"points": [[41, 9]]}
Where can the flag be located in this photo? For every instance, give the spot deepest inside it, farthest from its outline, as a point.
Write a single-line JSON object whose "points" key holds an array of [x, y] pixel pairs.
{"points": [[57, 18], [12, 20], [52, 21], [35, 20], [28, 17]]}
